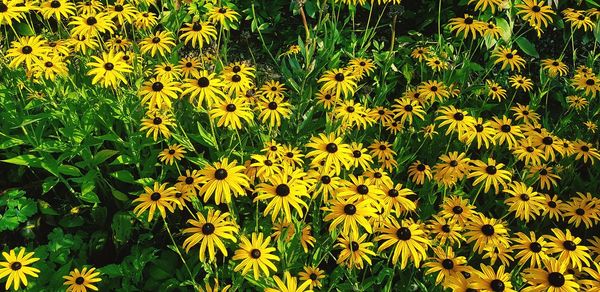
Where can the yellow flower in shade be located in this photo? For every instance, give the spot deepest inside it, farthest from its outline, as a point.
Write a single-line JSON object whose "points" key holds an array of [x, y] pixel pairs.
{"points": [[256, 255], [230, 112], [580, 212], [158, 197], [355, 250], [555, 67], [523, 112], [534, 11], [579, 19], [446, 264], [587, 82], [28, 50], [420, 53], [58, 8], [408, 240], [592, 284], [521, 82], [524, 201], [453, 168], [223, 15], [215, 288], [444, 230], [189, 66], [491, 173], [585, 151], [485, 231], [495, 91], [482, 5], [553, 207], [51, 66], [361, 67], [145, 20], [198, 33], [17, 267], [239, 68], [157, 122], [552, 276], [508, 57], [157, 92], [209, 232], [506, 132], [92, 25], [405, 109], [530, 249], [313, 275], [433, 90], [382, 149], [272, 89], [82, 44], [327, 186], [167, 70], [544, 175], [418, 171], [80, 281], [352, 113], [339, 81], [291, 284], [436, 64], [59, 47], [490, 280], [350, 214], [161, 42], [237, 83], [273, 110], [331, 150], [10, 11], [189, 182], [282, 192], [568, 248], [109, 69], [465, 25], [306, 238]]}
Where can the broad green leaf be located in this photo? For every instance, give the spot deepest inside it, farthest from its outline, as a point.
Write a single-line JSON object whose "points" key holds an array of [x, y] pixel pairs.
{"points": [[505, 29], [69, 170], [527, 47], [124, 176], [103, 155], [25, 160]]}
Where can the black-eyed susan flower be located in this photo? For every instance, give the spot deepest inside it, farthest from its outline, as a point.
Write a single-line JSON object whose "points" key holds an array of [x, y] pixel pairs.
{"points": [[418, 171], [521, 82], [17, 267], [189, 182], [327, 183], [396, 199], [555, 67], [171, 154], [158, 92], [160, 42], [420, 53], [457, 120], [289, 284], [51, 66], [58, 9], [593, 283], [532, 249], [273, 110], [484, 231], [506, 132], [536, 12], [579, 212], [359, 189], [209, 232], [524, 201], [339, 81], [223, 15], [157, 122], [495, 91], [256, 255], [382, 149], [433, 90], [356, 250], [467, 25], [230, 112], [527, 153], [350, 214], [490, 279], [313, 275], [525, 113], [122, 12], [579, 19], [199, 33], [508, 57], [585, 151], [160, 197], [352, 114], [204, 87], [545, 175], [223, 179], [361, 67], [408, 240], [327, 99], [331, 150], [28, 50], [483, 5], [553, 207], [446, 264], [306, 238], [80, 281], [436, 64], [89, 7], [454, 167], [237, 83], [490, 173], [282, 193], [109, 70], [494, 253], [445, 230], [91, 25], [405, 109], [10, 11], [586, 82], [482, 132], [568, 248], [552, 276], [265, 166]]}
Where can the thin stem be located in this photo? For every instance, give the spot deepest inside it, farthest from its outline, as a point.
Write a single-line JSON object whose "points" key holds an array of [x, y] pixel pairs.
{"points": [[180, 255]]}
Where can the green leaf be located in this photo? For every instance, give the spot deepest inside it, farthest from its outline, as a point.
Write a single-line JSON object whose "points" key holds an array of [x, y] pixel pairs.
{"points": [[69, 170], [124, 176], [25, 160], [505, 29], [527, 47], [119, 195], [103, 155], [122, 227], [48, 184]]}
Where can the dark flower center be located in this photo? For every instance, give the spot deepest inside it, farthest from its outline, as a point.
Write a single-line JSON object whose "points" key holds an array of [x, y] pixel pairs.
{"points": [[168, 68], [189, 180], [377, 175], [208, 228], [282, 190], [354, 246], [362, 189], [479, 128], [339, 77], [362, 63], [459, 116], [231, 107], [356, 153], [382, 147], [453, 163], [524, 197], [331, 148], [290, 155], [543, 172], [434, 88], [536, 8], [157, 121], [109, 66], [468, 20], [272, 105], [126, 57], [268, 162], [48, 64], [556, 279], [403, 233], [236, 69], [547, 140], [555, 64], [203, 82], [222, 10], [393, 193], [220, 174], [529, 149], [584, 148], [491, 170], [326, 179], [487, 230], [350, 109], [156, 40], [590, 82], [580, 212], [157, 86], [497, 285], [448, 264], [505, 128], [327, 96], [552, 204], [197, 26], [145, 14], [313, 276], [446, 228], [408, 108], [55, 4], [273, 88], [155, 196], [189, 64], [255, 253], [236, 78], [457, 210], [421, 167], [79, 280], [3, 7], [171, 151], [26, 50], [569, 245], [15, 266], [118, 8], [509, 56], [91, 21], [350, 209], [535, 247]]}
